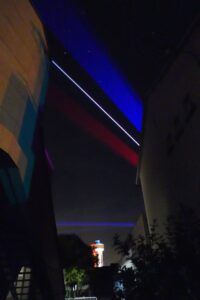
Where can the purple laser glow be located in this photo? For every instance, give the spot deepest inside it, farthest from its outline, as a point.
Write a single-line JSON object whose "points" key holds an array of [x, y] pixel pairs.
{"points": [[94, 224], [49, 160]]}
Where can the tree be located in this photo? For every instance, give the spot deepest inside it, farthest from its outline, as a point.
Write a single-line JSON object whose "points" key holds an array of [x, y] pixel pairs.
{"points": [[74, 279], [166, 266]]}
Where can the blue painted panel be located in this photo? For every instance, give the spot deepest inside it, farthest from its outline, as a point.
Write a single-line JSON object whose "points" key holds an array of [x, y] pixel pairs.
{"points": [[26, 140]]}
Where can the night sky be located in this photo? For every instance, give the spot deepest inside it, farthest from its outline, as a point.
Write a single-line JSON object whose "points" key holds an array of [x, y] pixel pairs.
{"points": [[91, 183]]}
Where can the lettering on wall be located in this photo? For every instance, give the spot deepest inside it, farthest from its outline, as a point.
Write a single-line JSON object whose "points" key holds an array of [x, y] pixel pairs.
{"points": [[180, 122]]}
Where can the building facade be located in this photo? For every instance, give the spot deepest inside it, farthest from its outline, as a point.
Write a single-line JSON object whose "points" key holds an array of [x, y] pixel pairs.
{"points": [[170, 164], [28, 238]]}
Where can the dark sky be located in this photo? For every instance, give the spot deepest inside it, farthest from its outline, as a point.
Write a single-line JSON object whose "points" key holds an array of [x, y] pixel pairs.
{"points": [[91, 183]]}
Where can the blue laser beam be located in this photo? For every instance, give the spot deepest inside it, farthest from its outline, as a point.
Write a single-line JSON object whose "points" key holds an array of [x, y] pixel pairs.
{"points": [[75, 35]]}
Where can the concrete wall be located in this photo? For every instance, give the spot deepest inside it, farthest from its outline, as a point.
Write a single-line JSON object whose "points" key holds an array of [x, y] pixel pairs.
{"points": [[23, 72], [141, 227], [170, 163]]}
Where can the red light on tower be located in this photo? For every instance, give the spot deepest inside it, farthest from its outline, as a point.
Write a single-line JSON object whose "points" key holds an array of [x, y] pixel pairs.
{"points": [[97, 251]]}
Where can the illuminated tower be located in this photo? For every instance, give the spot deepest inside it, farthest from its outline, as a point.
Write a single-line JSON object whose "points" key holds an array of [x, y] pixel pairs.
{"points": [[98, 249]]}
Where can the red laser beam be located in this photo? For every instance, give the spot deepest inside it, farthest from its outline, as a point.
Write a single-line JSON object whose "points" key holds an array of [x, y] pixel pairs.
{"points": [[64, 104]]}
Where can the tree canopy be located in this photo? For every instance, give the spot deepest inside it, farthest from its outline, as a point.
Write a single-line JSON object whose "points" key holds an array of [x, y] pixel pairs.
{"points": [[165, 266], [75, 279]]}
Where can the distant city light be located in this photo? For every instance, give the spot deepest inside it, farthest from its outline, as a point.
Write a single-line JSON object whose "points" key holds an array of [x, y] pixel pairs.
{"points": [[97, 104], [97, 251]]}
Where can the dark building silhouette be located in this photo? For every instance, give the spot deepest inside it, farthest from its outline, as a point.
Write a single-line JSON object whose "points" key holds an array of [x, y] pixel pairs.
{"points": [[102, 281]]}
